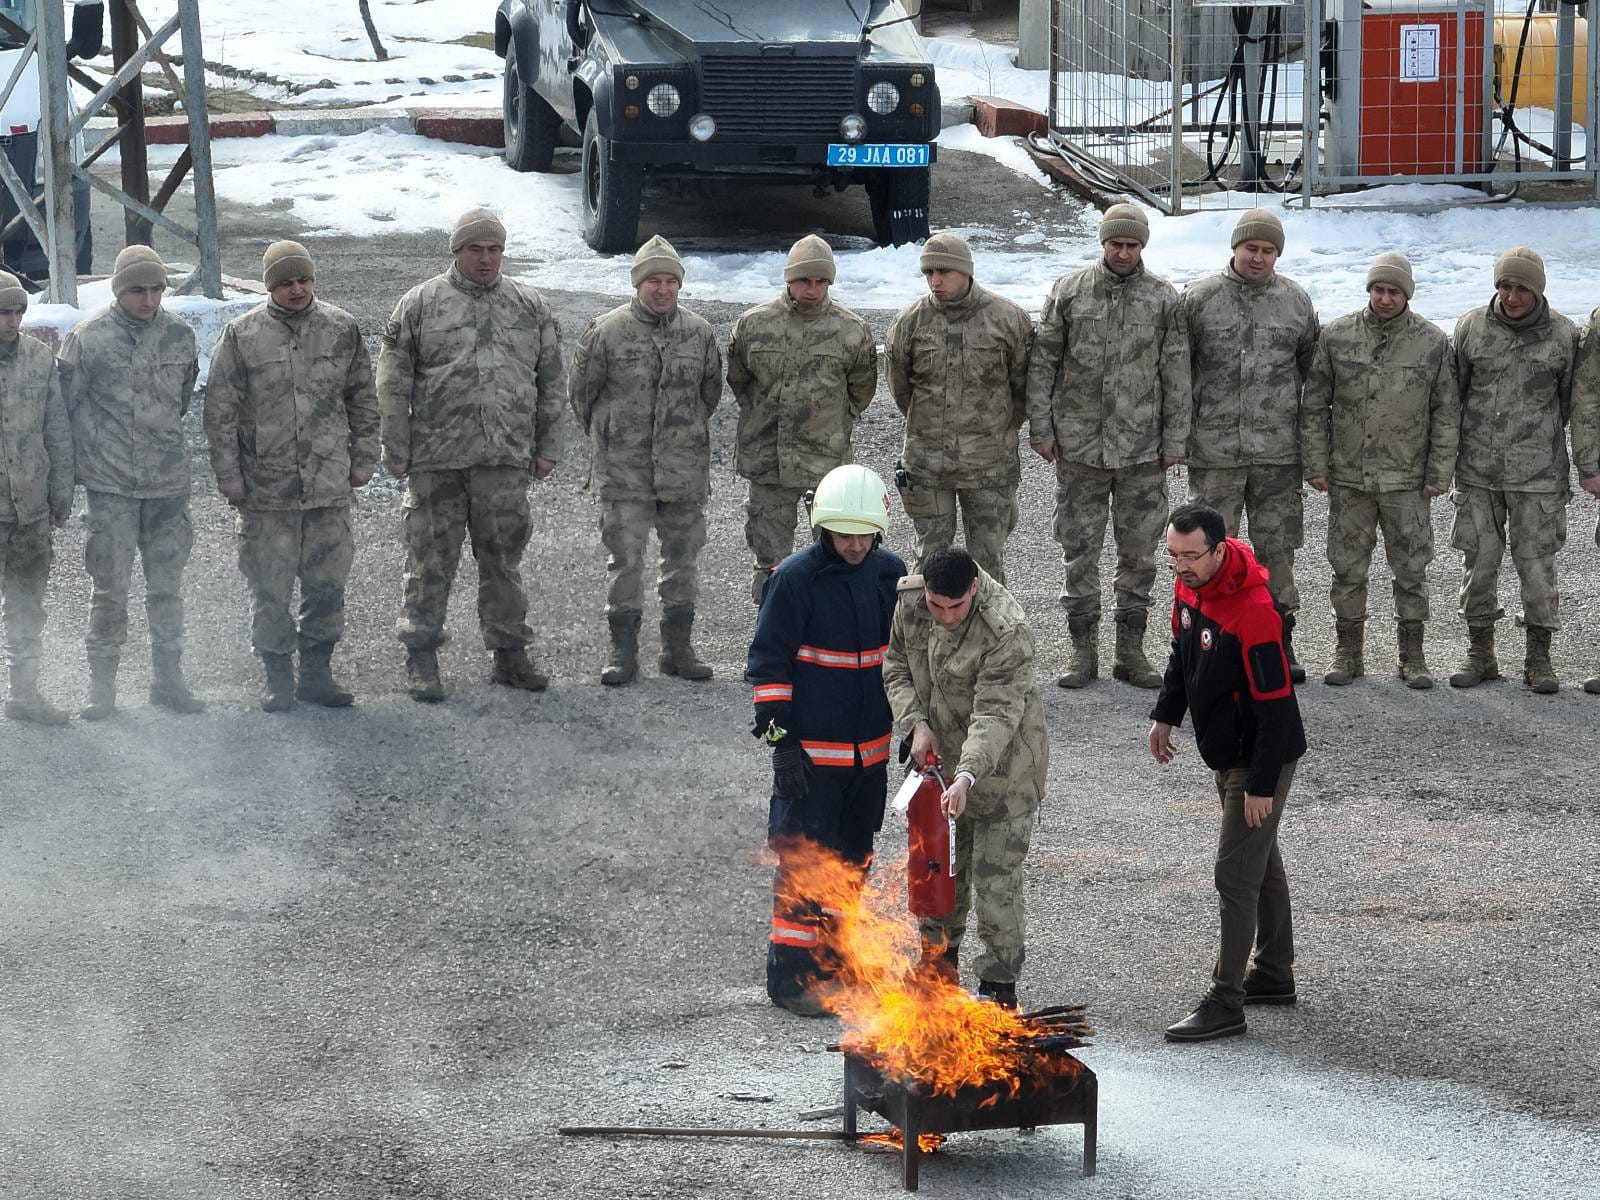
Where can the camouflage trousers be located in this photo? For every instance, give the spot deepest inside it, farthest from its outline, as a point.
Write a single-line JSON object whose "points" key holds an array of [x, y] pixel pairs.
{"points": [[989, 856], [1534, 526], [988, 515], [1272, 498], [770, 517], [441, 509], [625, 526], [1135, 499], [160, 533], [276, 547], [1354, 518], [25, 556]]}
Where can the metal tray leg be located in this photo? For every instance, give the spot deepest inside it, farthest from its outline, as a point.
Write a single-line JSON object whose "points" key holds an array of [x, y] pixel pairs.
{"points": [[910, 1149], [1091, 1126]]}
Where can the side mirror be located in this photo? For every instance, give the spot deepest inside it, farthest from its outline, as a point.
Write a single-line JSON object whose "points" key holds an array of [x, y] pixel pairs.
{"points": [[577, 30]]}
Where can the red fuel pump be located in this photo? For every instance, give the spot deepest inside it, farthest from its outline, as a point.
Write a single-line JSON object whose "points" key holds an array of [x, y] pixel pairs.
{"points": [[931, 845]]}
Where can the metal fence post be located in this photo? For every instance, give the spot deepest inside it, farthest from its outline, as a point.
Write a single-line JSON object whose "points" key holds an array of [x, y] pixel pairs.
{"points": [[55, 139], [1178, 17], [194, 103], [1310, 100]]}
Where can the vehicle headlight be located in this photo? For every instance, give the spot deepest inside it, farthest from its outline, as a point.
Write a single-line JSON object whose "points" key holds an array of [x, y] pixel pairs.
{"points": [[663, 100], [853, 128], [702, 127], [883, 98]]}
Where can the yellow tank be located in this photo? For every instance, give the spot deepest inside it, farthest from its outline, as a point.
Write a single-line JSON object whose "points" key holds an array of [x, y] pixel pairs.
{"points": [[1538, 86]]}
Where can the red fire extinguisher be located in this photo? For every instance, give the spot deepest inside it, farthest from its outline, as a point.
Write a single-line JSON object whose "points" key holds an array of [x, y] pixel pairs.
{"points": [[931, 842]]}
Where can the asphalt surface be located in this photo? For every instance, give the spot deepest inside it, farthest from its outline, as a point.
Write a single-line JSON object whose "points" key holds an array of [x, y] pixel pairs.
{"points": [[384, 952]]}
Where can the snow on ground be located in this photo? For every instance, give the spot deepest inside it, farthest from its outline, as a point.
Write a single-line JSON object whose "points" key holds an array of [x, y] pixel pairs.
{"points": [[205, 316], [382, 182]]}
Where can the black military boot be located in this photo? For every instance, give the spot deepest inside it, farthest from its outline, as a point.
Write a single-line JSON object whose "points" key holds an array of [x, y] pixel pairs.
{"points": [[317, 684], [168, 688], [1297, 673], [512, 669], [1003, 994], [278, 694], [422, 676], [102, 690], [677, 651], [943, 961]]}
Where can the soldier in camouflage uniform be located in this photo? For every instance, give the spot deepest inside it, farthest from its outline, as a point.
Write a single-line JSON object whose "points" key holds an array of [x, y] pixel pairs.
{"points": [[959, 674], [1109, 404], [1515, 361], [1586, 431], [469, 390], [131, 374], [36, 482], [292, 418], [645, 380], [1379, 426], [1252, 334], [958, 370], [803, 369]]}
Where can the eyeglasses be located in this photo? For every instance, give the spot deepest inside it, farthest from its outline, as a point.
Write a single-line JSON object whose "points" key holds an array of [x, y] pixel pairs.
{"points": [[1189, 559]]}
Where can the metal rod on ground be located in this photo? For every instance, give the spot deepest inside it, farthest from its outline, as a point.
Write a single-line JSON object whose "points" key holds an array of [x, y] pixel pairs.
{"points": [[811, 1135]]}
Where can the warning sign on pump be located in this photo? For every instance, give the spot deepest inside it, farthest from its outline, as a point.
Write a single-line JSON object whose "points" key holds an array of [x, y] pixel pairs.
{"points": [[1419, 54]]}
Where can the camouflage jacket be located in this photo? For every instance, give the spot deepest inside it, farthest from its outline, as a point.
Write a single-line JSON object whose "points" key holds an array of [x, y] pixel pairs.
{"points": [[1516, 398], [470, 376], [290, 406], [36, 461], [959, 373], [975, 688], [644, 387], [1586, 402], [1380, 410], [1108, 381], [802, 379], [128, 387], [1250, 349]]}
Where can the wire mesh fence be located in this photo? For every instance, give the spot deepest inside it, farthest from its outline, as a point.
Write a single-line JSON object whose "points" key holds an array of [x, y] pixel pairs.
{"points": [[1199, 104]]}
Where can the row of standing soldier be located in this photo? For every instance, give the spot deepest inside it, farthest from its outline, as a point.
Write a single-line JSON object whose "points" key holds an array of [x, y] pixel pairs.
{"points": [[1124, 378]]}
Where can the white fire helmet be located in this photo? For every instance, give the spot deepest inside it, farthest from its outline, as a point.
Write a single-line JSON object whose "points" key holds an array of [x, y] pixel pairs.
{"points": [[850, 499]]}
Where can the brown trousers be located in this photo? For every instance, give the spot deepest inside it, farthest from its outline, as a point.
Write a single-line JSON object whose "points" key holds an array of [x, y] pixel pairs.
{"points": [[1253, 891]]}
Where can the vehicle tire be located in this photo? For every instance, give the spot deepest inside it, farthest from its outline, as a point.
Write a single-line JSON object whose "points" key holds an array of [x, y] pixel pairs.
{"points": [[611, 195], [532, 126], [899, 200], [86, 253]]}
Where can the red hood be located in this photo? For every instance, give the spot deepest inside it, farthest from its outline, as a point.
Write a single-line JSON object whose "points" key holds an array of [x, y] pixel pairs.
{"points": [[1239, 573]]}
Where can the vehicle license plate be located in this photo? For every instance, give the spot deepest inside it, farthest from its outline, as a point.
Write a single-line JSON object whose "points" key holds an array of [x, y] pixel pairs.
{"points": [[877, 154]]}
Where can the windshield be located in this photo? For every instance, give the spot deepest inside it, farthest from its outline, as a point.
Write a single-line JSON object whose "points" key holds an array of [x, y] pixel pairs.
{"points": [[16, 16]]}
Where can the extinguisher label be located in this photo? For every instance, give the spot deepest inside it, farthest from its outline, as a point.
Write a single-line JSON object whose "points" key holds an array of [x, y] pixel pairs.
{"points": [[1419, 54], [951, 858]]}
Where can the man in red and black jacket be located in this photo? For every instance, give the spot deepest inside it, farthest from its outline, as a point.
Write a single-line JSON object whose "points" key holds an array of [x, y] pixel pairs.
{"points": [[1229, 670], [816, 669]]}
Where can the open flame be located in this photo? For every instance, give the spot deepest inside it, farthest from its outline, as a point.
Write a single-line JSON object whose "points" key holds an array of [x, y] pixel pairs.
{"points": [[910, 1020], [928, 1143]]}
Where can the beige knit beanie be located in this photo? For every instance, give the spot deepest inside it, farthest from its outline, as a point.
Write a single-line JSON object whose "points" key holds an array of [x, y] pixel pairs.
{"points": [[947, 252], [656, 257], [1125, 221], [138, 266], [284, 261], [477, 225], [1258, 225], [12, 293], [810, 258], [1521, 265], [1394, 269]]}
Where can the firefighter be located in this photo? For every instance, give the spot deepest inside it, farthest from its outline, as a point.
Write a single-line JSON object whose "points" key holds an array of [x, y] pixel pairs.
{"points": [[960, 679], [816, 665]]}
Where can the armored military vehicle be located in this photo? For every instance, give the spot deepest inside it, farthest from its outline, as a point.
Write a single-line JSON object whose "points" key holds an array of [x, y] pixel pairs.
{"points": [[829, 93]]}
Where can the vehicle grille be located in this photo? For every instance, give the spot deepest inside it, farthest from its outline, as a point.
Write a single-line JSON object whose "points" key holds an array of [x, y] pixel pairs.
{"points": [[777, 99]]}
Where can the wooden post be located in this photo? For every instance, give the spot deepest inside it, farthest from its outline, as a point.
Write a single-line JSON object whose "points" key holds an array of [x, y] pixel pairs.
{"points": [[55, 143], [135, 150]]}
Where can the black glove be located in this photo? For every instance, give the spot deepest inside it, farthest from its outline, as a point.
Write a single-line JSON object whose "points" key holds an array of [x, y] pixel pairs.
{"points": [[789, 770]]}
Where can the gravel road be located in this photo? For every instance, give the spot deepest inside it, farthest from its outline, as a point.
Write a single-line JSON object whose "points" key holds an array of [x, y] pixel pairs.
{"points": [[384, 952]]}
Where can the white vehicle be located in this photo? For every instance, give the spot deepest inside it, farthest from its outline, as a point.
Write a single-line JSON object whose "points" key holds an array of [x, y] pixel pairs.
{"points": [[19, 131]]}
